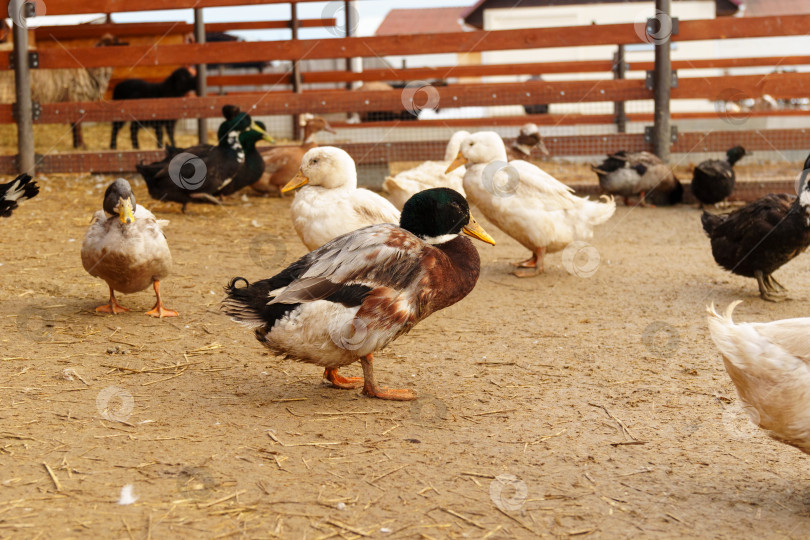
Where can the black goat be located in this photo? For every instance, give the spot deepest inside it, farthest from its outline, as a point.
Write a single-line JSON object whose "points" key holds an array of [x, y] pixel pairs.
{"points": [[178, 84]]}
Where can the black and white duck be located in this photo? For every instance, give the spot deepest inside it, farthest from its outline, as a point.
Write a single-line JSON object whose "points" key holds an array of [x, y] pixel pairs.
{"points": [[757, 239], [713, 180], [198, 174], [16, 191], [629, 174], [353, 296], [125, 247], [253, 167]]}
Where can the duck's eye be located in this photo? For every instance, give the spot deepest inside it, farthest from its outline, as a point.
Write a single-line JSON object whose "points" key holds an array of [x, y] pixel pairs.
{"points": [[315, 160]]}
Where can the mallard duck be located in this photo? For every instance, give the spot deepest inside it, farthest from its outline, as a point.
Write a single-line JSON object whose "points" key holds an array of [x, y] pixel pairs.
{"points": [[531, 206], [330, 204], [528, 138], [713, 179], [199, 173], [350, 298], [125, 247], [628, 174], [19, 189], [757, 239], [404, 185], [282, 162], [769, 364], [253, 166]]}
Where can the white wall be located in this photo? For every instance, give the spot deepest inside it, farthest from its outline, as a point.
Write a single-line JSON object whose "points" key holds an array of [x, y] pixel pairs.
{"points": [[637, 12], [582, 15]]}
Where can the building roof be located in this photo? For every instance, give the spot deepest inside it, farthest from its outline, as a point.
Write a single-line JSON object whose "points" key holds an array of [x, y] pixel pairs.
{"points": [[422, 21], [474, 15], [763, 8]]}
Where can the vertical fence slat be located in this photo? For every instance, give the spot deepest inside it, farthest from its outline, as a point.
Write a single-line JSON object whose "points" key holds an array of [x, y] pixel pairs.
{"points": [[347, 9], [619, 69], [22, 78], [202, 73], [296, 70], [662, 80]]}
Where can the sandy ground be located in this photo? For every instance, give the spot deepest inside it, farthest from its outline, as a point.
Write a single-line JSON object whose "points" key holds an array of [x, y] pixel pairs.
{"points": [[586, 402]]}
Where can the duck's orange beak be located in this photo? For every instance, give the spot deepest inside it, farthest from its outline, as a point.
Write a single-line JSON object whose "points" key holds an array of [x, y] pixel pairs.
{"points": [[297, 181], [125, 212], [458, 162], [477, 231]]}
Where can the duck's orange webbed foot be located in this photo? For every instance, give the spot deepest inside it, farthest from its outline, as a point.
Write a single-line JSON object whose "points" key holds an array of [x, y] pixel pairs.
{"points": [[160, 310], [371, 389], [531, 262], [339, 381], [531, 267], [113, 307]]}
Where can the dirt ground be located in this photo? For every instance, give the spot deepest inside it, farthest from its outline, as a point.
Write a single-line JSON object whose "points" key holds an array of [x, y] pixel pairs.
{"points": [[586, 402]]}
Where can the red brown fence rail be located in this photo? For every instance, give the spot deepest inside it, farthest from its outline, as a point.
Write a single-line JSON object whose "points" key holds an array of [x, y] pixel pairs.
{"points": [[281, 101]]}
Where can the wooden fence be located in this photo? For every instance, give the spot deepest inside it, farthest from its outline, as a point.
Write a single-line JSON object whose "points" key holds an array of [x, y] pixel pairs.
{"points": [[282, 101]]}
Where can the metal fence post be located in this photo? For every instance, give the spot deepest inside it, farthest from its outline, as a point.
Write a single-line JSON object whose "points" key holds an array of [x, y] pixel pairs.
{"points": [[347, 9], [23, 106], [662, 80], [202, 73], [619, 68], [296, 71]]}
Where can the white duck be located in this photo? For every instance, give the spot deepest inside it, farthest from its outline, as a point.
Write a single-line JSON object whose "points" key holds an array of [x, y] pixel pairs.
{"points": [[428, 175], [769, 364], [525, 202], [125, 247], [330, 204]]}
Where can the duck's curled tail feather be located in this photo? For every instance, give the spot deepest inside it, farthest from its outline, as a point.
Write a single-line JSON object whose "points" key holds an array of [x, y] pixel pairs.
{"points": [[244, 304]]}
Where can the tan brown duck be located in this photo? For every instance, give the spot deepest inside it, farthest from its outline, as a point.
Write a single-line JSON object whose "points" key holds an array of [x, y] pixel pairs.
{"points": [[126, 248]]}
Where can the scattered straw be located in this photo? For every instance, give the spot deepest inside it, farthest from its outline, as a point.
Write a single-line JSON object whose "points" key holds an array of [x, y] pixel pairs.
{"points": [[272, 436], [223, 499], [345, 527], [53, 477], [463, 518]]}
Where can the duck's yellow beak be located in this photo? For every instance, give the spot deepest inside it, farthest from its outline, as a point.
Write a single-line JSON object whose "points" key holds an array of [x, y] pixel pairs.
{"points": [[458, 162], [297, 181], [266, 136], [125, 211], [477, 231]]}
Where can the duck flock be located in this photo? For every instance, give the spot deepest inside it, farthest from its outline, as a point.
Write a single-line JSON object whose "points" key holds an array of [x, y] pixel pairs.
{"points": [[376, 266]]}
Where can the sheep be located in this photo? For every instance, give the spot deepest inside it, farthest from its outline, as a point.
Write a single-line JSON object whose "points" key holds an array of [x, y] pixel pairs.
{"points": [[64, 85], [178, 84]]}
